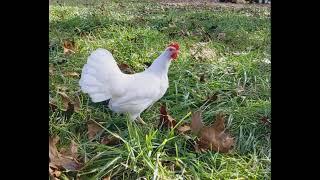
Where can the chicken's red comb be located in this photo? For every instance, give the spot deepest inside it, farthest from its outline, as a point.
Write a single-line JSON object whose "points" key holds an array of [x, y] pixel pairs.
{"points": [[175, 45]]}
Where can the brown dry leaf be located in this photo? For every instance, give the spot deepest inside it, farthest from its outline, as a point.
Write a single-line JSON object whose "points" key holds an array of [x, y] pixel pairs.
{"points": [[70, 105], [74, 149], [215, 138], [70, 110], [64, 150], [76, 104], [212, 98], [125, 68], [106, 178], [58, 161], [72, 74], [65, 100], [52, 105], [68, 47], [71, 151], [110, 140], [219, 123], [196, 122], [165, 119], [93, 129], [184, 128], [172, 121], [53, 151], [62, 88], [54, 172]]}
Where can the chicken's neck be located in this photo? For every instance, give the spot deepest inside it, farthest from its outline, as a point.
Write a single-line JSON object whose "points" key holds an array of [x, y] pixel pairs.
{"points": [[161, 65]]}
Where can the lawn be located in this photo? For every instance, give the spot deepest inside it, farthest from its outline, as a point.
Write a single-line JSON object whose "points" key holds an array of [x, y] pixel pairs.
{"points": [[224, 54]]}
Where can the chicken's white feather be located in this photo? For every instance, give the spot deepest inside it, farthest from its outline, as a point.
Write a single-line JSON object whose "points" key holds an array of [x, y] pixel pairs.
{"points": [[97, 75]]}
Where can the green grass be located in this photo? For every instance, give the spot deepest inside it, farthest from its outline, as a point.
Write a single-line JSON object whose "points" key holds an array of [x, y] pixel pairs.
{"points": [[135, 32]]}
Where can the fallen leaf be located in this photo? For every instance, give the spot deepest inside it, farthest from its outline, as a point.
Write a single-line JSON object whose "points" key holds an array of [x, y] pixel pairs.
{"points": [[106, 178], [71, 151], [70, 110], [52, 104], [172, 121], [65, 100], [165, 119], [93, 129], [219, 123], [213, 138], [74, 149], [54, 171], [53, 151], [212, 98], [76, 104], [125, 68], [72, 74], [59, 161], [184, 128], [68, 47], [196, 122], [69, 105], [62, 89], [110, 140], [64, 150]]}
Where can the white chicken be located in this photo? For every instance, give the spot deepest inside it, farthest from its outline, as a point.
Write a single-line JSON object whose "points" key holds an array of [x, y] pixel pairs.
{"points": [[102, 79]]}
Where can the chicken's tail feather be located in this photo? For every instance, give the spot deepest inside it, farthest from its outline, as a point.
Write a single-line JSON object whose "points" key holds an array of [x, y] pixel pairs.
{"points": [[95, 76]]}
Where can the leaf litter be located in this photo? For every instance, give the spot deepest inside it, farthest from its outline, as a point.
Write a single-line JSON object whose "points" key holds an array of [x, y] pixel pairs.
{"points": [[214, 137], [63, 159]]}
